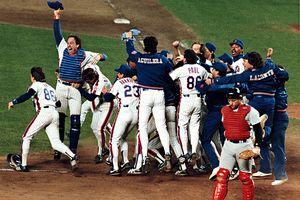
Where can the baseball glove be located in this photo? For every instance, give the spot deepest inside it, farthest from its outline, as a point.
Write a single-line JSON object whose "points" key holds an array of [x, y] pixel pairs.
{"points": [[248, 154], [55, 5]]}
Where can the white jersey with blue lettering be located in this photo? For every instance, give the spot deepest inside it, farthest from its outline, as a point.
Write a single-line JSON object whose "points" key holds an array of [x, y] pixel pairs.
{"points": [[238, 66], [44, 96], [127, 92], [189, 75]]}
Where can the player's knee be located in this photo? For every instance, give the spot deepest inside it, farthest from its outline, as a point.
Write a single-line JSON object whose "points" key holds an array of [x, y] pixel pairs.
{"points": [[75, 122], [245, 178], [222, 175]]}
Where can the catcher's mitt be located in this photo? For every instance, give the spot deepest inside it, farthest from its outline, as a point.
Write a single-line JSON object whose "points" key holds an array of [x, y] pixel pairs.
{"points": [[248, 154]]}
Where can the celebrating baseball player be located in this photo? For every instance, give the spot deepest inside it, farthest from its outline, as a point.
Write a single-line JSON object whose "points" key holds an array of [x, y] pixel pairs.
{"points": [[71, 58], [237, 119], [101, 110], [190, 102], [127, 92], [152, 68], [47, 117]]}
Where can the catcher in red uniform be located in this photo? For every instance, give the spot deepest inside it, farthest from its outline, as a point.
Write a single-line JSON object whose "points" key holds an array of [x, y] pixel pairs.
{"points": [[237, 120]]}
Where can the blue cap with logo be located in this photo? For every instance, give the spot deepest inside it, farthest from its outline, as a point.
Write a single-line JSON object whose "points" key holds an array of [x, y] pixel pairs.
{"points": [[238, 42], [211, 47], [219, 66], [226, 58], [124, 69]]}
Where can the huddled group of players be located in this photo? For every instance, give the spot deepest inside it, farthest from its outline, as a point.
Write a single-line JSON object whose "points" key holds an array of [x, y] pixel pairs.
{"points": [[174, 99]]}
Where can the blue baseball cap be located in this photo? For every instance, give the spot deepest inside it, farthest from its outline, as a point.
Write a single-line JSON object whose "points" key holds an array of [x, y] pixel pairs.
{"points": [[124, 69], [164, 52], [246, 56], [211, 47], [226, 58], [220, 66], [238, 42]]}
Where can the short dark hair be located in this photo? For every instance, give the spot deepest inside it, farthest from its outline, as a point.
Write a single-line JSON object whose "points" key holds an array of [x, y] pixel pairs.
{"points": [[150, 44], [190, 56], [89, 75], [255, 59], [38, 74], [77, 39]]}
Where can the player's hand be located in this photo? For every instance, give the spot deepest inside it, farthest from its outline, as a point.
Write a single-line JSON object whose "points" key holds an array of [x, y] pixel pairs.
{"points": [[10, 105], [57, 14], [75, 85], [176, 44], [208, 81], [270, 52]]}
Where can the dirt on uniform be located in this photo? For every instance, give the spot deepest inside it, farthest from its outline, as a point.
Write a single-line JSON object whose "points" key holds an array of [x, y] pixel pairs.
{"points": [[53, 180]]}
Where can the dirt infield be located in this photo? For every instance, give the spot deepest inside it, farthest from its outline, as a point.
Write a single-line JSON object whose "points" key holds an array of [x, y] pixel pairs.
{"points": [[53, 180]]}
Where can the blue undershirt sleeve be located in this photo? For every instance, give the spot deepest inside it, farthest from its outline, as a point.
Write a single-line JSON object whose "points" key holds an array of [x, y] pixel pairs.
{"points": [[85, 94], [24, 97], [57, 32]]}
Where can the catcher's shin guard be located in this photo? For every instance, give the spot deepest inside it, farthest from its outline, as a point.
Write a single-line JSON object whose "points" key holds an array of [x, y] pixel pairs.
{"points": [[221, 188], [74, 132], [248, 186]]}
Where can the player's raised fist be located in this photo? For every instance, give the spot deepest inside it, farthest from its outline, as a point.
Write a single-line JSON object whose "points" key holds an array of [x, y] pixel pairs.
{"points": [[176, 44]]}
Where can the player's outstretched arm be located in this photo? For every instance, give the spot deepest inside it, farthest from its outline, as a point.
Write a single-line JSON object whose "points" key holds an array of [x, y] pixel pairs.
{"points": [[22, 98]]}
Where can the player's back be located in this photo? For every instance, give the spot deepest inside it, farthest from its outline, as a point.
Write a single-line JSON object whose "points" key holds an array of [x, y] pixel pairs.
{"points": [[189, 75], [45, 95], [152, 69]]}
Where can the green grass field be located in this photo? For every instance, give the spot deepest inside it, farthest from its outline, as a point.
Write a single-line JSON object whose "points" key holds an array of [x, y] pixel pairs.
{"points": [[261, 24]]}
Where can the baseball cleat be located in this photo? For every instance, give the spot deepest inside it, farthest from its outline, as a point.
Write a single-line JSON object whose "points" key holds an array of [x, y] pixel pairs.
{"points": [[98, 159], [213, 174], [56, 155], [125, 166], [181, 173], [234, 174], [108, 161], [114, 172], [261, 174], [279, 182], [74, 163], [161, 167], [135, 171]]}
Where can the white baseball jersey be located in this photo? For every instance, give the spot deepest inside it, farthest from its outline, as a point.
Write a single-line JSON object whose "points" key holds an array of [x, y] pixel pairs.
{"points": [[127, 91], [103, 81], [44, 96], [238, 66], [189, 75]]}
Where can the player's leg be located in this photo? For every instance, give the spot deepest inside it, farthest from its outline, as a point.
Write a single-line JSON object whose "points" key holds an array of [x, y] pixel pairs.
{"points": [[211, 124], [85, 107], [119, 127], [36, 124], [281, 121], [145, 109], [194, 129], [75, 110], [184, 111]]}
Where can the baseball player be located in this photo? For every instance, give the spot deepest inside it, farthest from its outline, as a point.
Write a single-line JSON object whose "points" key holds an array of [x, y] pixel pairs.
{"points": [[71, 58], [237, 119], [86, 106], [101, 110], [47, 117], [151, 71], [127, 92], [189, 107], [236, 49], [280, 124]]}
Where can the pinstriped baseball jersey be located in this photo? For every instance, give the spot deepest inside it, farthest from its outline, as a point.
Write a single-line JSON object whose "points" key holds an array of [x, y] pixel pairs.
{"points": [[103, 81], [189, 75], [44, 96], [127, 91]]}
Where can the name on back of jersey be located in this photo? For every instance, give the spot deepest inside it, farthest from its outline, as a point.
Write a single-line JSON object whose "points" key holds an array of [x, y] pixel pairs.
{"points": [[150, 60]]}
